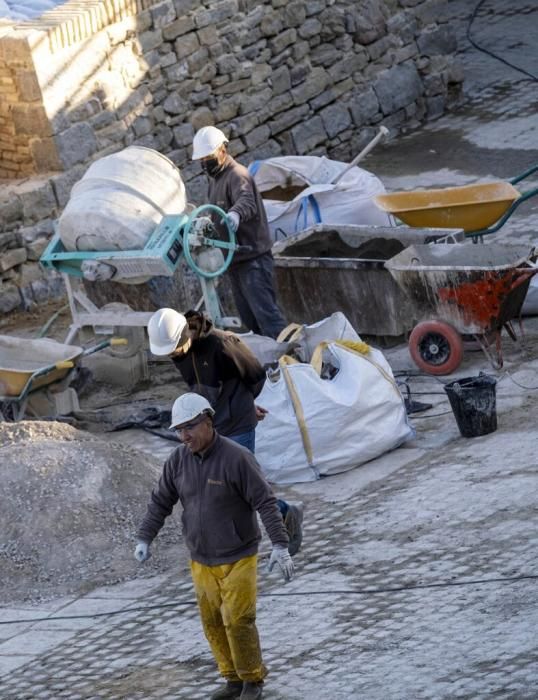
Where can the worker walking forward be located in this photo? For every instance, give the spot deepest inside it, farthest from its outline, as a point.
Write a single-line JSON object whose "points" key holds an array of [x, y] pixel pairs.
{"points": [[220, 487], [232, 188]]}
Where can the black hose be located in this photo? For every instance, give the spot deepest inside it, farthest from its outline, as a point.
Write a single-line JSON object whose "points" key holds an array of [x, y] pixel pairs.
{"points": [[490, 53]]}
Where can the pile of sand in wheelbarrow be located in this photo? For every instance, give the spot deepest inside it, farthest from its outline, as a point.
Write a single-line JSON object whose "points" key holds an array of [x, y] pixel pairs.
{"points": [[70, 506]]}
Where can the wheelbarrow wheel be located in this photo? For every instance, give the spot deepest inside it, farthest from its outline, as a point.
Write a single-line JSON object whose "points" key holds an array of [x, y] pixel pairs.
{"points": [[436, 347]]}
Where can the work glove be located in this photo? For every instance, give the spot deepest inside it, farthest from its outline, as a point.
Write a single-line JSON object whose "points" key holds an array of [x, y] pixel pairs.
{"points": [[202, 225], [142, 552], [233, 220], [281, 556]]}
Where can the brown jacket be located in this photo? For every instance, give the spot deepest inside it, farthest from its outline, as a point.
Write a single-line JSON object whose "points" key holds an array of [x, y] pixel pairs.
{"points": [[220, 492], [234, 189]]}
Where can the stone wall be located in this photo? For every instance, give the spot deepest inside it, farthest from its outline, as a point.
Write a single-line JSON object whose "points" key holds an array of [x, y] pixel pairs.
{"points": [[279, 76]]}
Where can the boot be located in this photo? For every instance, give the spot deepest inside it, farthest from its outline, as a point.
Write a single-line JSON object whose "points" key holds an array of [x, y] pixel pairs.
{"points": [[252, 691], [293, 523], [230, 691]]}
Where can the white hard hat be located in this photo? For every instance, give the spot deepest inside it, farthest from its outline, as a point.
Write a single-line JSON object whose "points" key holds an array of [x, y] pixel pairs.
{"points": [[188, 407], [167, 329], [206, 141]]}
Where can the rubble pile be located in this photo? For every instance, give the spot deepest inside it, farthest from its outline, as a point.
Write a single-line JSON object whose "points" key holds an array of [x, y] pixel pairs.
{"points": [[71, 503]]}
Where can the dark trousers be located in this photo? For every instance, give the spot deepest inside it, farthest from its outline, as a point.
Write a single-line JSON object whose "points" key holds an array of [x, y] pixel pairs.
{"points": [[254, 295]]}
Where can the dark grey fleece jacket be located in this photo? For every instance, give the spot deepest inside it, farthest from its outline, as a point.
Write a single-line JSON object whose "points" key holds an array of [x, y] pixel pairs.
{"points": [[234, 189], [220, 492]]}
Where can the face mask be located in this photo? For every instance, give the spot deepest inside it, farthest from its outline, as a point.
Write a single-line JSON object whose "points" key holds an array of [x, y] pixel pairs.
{"points": [[210, 166]]}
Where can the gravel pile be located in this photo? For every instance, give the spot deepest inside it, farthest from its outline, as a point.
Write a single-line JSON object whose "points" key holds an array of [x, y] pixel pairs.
{"points": [[70, 505]]}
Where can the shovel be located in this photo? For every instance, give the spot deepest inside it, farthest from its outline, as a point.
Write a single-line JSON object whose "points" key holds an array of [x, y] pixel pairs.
{"points": [[383, 131]]}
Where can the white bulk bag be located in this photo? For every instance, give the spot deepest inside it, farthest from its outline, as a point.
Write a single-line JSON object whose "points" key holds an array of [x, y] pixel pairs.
{"points": [[317, 427], [307, 338], [121, 200], [349, 201]]}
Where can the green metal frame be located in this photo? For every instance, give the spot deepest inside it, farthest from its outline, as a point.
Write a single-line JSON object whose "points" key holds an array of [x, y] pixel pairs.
{"points": [[508, 213]]}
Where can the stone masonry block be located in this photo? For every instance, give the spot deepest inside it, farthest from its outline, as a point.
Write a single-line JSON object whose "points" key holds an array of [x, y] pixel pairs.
{"points": [[284, 39], [364, 106], [257, 136], [369, 22], [307, 135], [202, 116], [76, 144], [311, 27], [186, 45], [332, 94], [183, 134], [281, 80], [397, 87], [184, 6], [12, 258], [252, 102], [30, 234], [10, 209], [294, 13], [440, 40], [315, 84], [336, 118], [288, 119], [163, 13], [181, 26], [10, 298], [217, 13]]}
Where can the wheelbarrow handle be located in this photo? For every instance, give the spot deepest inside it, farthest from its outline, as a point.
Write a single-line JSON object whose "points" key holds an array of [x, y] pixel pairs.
{"points": [[528, 172], [508, 213], [523, 275], [105, 344]]}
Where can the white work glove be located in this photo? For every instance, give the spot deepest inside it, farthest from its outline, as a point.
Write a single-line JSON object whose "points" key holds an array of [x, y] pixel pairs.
{"points": [[233, 220], [142, 552], [281, 556], [202, 224]]}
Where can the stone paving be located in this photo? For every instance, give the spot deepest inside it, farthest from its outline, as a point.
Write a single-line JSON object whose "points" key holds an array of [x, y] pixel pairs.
{"points": [[447, 511], [459, 515]]}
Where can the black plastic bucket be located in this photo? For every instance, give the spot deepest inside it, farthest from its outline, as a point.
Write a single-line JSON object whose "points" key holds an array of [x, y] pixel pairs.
{"points": [[473, 403]]}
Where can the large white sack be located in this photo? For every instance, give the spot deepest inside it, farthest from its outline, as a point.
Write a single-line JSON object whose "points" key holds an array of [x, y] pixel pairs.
{"points": [[121, 200], [307, 337], [350, 419], [348, 202]]}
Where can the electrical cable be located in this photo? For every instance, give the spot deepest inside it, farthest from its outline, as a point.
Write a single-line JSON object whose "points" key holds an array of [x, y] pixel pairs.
{"points": [[363, 591], [433, 415], [490, 53], [46, 326]]}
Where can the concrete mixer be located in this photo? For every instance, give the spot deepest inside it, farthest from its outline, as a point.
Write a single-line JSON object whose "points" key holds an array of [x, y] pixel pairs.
{"points": [[204, 237]]}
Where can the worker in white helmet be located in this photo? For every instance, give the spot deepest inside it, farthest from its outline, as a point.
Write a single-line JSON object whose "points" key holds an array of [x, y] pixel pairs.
{"points": [[223, 369], [232, 188], [211, 475]]}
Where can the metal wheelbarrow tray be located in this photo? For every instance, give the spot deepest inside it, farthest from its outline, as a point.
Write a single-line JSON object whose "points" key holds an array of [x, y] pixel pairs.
{"points": [[478, 209], [29, 364], [461, 290], [340, 267]]}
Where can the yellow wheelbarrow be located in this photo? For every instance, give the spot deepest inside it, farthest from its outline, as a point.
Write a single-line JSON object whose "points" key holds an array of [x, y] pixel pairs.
{"points": [[477, 209], [28, 365]]}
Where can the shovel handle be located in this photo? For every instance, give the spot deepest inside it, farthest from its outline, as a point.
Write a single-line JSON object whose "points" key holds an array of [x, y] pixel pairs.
{"points": [[383, 131]]}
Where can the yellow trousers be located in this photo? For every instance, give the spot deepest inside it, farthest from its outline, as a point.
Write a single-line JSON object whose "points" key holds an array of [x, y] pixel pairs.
{"points": [[226, 597]]}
